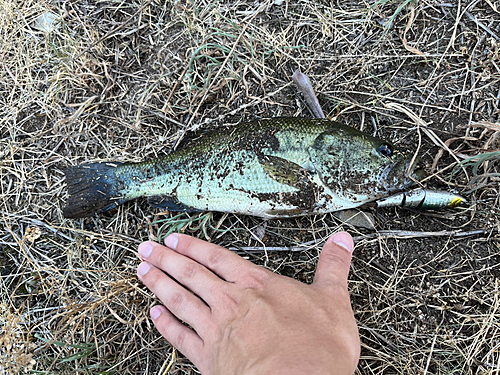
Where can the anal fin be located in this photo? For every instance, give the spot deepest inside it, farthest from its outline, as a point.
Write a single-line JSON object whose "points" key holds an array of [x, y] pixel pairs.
{"points": [[170, 203]]}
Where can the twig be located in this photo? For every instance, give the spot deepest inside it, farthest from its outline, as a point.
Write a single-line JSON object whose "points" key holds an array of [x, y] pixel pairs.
{"points": [[244, 106], [304, 84], [485, 28], [164, 108], [76, 115], [156, 113], [400, 234], [382, 338], [430, 354]]}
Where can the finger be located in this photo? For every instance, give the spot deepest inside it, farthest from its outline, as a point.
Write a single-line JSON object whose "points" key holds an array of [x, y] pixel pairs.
{"points": [[223, 262], [180, 301], [184, 270], [335, 260], [181, 337]]}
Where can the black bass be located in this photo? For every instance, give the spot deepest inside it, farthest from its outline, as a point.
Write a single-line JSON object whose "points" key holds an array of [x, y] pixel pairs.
{"points": [[280, 167]]}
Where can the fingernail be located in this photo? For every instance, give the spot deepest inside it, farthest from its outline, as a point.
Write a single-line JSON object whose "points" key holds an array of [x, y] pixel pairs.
{"points": [[143, 268], [344, 239], [171, 241], [155, 312], [145, 249]]}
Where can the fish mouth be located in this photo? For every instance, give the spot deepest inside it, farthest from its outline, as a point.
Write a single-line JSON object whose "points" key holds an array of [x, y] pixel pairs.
{"points": [[401, 175]]}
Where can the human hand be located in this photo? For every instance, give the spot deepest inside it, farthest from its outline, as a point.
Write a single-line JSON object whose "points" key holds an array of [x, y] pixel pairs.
{"points": [[246, 319]]}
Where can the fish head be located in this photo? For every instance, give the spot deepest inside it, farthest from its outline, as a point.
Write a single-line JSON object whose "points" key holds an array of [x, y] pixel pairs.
{"points": [[358, 167]]}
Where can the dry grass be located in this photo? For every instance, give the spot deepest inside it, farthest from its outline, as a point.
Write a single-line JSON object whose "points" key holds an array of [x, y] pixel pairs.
{"points": [[125, 80]]}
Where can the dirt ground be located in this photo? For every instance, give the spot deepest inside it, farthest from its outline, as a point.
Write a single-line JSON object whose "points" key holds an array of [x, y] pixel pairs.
{"points": [[122, 80]]}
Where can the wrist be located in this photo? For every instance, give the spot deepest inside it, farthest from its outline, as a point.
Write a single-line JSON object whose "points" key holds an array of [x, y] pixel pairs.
{"points": [[300, 364]]}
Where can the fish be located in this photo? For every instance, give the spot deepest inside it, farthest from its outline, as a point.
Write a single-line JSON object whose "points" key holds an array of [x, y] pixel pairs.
{"points": [[269, 168]]}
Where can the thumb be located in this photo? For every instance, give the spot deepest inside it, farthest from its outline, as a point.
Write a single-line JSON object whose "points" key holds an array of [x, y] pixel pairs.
{"points": [[335, 260]]}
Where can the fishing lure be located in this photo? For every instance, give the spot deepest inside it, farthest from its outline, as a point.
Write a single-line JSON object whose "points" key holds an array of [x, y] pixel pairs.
{"points": [[423, 199]]}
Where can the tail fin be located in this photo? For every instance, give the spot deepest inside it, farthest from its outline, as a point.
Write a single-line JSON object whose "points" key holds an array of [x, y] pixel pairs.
{"points": [[92, 189]]}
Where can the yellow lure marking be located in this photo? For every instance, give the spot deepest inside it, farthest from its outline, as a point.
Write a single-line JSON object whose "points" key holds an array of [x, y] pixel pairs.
{"points": [[455, 202]]}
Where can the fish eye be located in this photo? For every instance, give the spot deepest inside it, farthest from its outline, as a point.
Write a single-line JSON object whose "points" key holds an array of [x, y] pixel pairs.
{"points": [[385, 150]]}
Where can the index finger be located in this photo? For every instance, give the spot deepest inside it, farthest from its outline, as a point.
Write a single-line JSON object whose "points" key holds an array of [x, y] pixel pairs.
{"points": [[226, 264]]}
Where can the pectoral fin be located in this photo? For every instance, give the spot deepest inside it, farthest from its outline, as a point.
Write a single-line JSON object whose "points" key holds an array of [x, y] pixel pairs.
{"points": [[289, 173], [283, 171]]}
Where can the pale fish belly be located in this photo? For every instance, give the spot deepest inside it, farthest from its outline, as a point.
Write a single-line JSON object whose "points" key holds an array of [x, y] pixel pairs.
{"points": [[236, 182], [240, 185], [251, 191]]}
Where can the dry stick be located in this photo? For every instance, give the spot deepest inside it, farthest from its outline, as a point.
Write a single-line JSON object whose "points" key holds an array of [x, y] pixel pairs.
{"points": [[382, 338], [400, 234], [412, 234], [378, 97], [304, 84], [48, 226], [164, 109], [82, 107], [98, 236], [453, 35], [25, 251], [405, 41], [485, 28], [157, 114], [430, 354], [417, 121], [452, 40]]}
